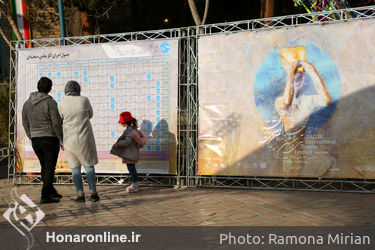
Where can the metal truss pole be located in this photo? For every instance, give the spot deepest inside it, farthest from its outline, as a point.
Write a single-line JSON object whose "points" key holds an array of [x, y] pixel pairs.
{"points": [[192, 106], [12, 159], [181, 122], [188, 108], [190, 101]]}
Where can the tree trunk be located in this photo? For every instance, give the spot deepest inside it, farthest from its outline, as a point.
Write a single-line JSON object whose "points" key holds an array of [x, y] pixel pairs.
{"points": [[88, 26], [12, 23], [205, 12], [74, 23], [194, 12], [267, 8]]}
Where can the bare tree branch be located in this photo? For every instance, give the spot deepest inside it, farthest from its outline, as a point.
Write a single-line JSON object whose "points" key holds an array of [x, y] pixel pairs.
{"points": [[4, 37], [194, 12], [52, 13], [12, 23], [103, 14]]}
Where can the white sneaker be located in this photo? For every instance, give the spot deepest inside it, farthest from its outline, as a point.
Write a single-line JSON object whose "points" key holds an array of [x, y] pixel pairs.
{"points": [[133, 188]]}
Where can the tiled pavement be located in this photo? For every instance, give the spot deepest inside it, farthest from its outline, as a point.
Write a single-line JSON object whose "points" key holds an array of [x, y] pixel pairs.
{"points": [[156, 206]]}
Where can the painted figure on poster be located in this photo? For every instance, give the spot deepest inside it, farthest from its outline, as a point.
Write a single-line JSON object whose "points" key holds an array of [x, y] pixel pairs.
{"points": [[294, 106], [296, 93]]}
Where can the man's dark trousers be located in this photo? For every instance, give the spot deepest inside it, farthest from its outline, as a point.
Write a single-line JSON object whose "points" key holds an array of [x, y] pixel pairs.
{"points": [[47, 149]]}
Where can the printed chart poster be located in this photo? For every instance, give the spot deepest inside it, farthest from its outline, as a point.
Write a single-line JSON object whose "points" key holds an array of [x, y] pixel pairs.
{"points": [[295, 102], [140, 77]]}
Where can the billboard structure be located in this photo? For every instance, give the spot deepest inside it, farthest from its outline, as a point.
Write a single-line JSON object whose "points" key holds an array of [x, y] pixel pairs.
{"points": [[286, 102], [140, 77]]}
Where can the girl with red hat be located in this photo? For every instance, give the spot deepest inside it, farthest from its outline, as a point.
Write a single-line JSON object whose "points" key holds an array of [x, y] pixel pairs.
{"points": [[128, 145]]}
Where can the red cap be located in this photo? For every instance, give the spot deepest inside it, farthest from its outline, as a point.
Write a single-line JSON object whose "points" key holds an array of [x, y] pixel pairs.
{"points": [[125, 117]]}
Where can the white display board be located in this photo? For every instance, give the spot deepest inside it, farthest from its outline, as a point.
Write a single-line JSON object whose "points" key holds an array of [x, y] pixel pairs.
{"points": [[140, 77]]}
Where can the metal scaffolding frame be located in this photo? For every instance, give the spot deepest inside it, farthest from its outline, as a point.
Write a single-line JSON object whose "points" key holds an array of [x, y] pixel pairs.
{"points": [[188, 103], [102, 179], [306, 184]]}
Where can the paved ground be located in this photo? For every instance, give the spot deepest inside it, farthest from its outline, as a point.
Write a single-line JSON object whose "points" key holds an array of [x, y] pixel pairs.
{"points": [[220, 207]]}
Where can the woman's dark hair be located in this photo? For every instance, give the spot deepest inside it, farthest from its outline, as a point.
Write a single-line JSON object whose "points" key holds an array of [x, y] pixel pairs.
{"points": [[44, 85], [132, 123]]}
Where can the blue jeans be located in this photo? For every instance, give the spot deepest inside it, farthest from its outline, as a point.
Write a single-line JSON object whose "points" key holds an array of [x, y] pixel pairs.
{"points": [[90, 175], [133, 172]]}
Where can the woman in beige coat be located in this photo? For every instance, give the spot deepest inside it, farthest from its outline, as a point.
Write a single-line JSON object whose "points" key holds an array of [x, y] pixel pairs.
{"points": [[79, 142]]}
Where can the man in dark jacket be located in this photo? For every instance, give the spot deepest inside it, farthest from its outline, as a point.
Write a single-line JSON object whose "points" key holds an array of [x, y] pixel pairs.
{"points": [[42, 123]]}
